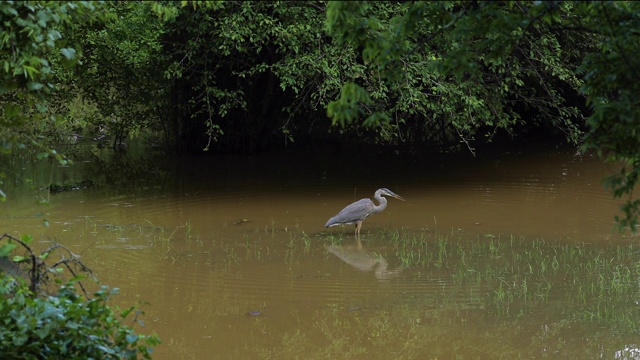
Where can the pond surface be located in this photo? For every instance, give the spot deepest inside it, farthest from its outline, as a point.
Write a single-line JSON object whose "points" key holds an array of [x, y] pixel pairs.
{"points": [[512, 256]]}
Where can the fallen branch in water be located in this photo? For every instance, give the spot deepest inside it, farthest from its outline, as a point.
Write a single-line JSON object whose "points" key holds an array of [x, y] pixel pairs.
{"points": [[38, 271]]}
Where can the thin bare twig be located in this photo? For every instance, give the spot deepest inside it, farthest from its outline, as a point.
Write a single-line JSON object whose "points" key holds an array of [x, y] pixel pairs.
{"points": [[38, 269]]}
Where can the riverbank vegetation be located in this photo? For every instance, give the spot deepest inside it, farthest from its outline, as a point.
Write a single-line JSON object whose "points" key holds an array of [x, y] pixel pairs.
{"points": [[251, 76], [247, 76], [45, 316]]}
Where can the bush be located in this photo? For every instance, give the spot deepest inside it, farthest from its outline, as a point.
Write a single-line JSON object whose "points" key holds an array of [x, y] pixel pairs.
{"points": [[65, 325], [40, 321]]}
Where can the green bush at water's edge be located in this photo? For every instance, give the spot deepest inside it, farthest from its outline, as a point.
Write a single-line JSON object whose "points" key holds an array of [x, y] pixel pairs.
{"points": [[37, 324], [65, 325]]}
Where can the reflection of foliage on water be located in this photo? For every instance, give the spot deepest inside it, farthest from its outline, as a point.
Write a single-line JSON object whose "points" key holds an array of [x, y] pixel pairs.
{"points": [[345, 338], [132, 171], [126, 172], [411, 331]]}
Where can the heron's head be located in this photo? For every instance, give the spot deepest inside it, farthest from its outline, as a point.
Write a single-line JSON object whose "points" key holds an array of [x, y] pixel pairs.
{"points": [[387, 192]]}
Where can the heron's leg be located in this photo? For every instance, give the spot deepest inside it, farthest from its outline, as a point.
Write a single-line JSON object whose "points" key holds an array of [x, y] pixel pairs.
{"points": [[358, 227]]}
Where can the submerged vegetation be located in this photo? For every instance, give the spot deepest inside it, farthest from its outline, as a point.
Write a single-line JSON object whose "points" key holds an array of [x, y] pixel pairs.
{"points": [[526, 272], [504, 296], [510, 275], [578, 285]]}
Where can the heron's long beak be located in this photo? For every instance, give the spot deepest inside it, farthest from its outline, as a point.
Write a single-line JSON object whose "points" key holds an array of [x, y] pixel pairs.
{"points": [[398, 197]]}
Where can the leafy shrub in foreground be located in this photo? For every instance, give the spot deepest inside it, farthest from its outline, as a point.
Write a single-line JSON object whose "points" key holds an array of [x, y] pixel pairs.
{"points": [[65, 325]]}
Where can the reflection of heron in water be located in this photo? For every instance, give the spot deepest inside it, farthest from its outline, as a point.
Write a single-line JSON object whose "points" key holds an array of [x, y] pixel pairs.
{"points": [[359, 210], [364, 261]]}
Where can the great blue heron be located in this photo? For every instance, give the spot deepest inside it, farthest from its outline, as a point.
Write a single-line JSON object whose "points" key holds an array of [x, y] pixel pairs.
{"points": [[359, 210]]}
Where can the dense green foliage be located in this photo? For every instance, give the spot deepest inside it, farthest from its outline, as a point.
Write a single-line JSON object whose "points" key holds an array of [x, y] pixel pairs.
{"points": [[242, 76], [122, 75], [461, 69], [41, 322], [612, 84], [32, 44], [65, 326], [35, 53]]}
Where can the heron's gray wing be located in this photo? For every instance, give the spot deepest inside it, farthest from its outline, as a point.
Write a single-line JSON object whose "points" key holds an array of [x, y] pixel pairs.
{"points": [[353, 213]]}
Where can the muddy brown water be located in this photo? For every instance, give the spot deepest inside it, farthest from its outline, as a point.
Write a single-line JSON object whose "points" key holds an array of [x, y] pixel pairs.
{"points": [[231, 255]]}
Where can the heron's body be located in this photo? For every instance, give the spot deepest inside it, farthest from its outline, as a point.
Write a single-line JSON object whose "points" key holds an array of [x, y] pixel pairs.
{"points": [[361, 209]]}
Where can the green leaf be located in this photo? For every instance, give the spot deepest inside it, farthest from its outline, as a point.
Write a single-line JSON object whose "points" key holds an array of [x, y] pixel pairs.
{"points": [[69, 53], [72, 325], [26, 238], [6, 249], [132, 338], [34, 86], [11, 110]]}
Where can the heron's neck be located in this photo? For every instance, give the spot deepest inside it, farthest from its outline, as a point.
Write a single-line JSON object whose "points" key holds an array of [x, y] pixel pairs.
{"points": [[382, 205]]}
